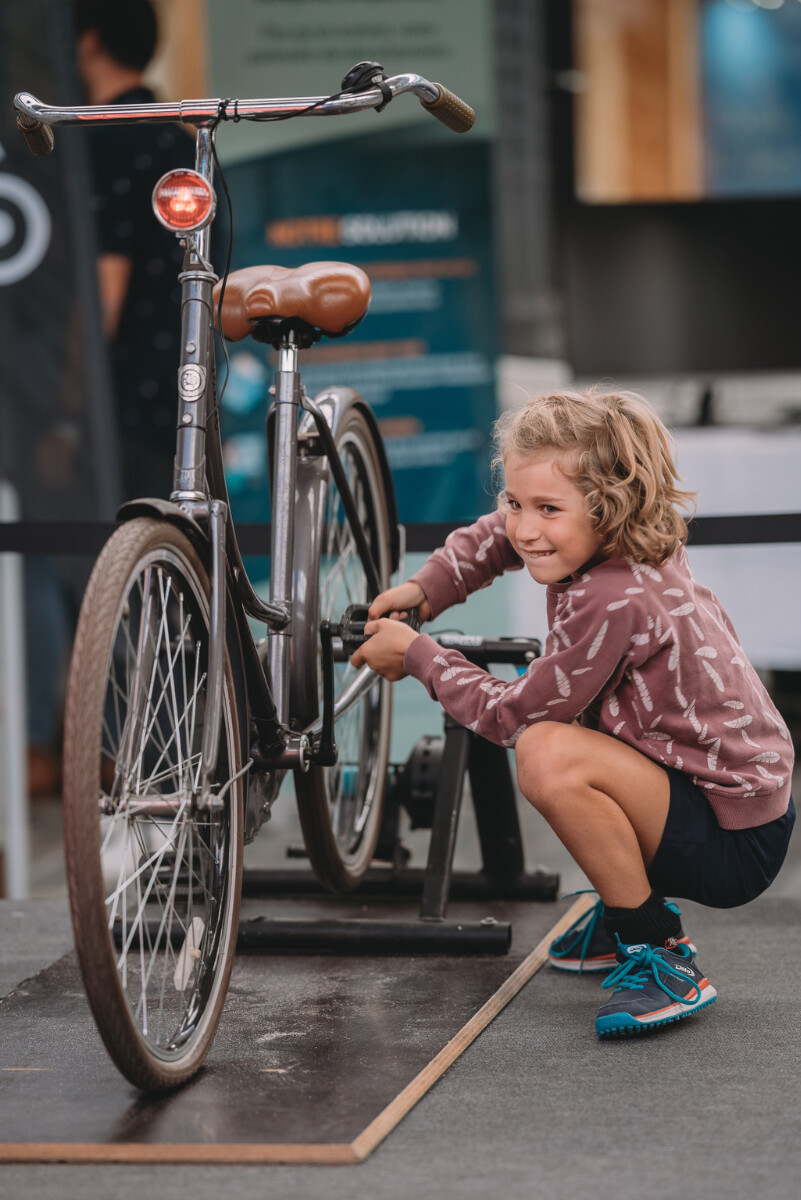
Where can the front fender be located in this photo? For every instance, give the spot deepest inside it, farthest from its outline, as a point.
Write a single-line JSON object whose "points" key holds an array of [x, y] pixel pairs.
{"points": [[166, 510]]}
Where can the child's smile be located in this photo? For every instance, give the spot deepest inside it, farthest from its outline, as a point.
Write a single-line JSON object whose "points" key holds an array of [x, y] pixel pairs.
{"points": [[546, 518]]}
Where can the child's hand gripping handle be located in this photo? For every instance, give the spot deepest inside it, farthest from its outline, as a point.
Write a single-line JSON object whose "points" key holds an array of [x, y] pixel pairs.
{"points": [[351, 628], [385, 642], [412, 619], [400, 603]]}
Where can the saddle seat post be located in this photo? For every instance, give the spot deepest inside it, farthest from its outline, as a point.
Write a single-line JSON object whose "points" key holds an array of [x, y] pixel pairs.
{"points": [[282, 518]]}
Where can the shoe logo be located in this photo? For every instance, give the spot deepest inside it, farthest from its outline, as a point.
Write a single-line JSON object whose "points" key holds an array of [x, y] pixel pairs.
{"points": [[635, 949], [684, 970]]}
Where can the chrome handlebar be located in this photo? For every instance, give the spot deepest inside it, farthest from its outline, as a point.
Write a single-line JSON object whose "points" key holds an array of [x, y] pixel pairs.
{"points": [[32, 111]]}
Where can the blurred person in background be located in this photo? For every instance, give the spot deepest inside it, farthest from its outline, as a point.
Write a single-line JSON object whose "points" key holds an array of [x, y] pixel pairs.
{"points": [[139, 260], [137, 269]]}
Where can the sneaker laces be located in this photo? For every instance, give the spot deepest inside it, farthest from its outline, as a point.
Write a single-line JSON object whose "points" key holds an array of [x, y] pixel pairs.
{"points": [[638, 969], [583, 936]]}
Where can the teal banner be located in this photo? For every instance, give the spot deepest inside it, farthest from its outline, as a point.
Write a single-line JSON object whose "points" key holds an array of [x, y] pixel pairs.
{"points": [[751, 68], [415, 213]]}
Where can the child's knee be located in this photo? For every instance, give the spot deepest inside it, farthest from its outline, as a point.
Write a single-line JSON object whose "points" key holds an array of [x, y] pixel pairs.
{"points": [[541, 755]]}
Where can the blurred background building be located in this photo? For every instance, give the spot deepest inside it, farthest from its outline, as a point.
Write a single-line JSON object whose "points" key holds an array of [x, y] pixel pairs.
{"points": [[625, 210]]}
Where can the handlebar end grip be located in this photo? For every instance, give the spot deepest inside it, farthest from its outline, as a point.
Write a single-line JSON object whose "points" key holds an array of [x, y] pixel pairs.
{"points": [[37, 136], [450, 110]]}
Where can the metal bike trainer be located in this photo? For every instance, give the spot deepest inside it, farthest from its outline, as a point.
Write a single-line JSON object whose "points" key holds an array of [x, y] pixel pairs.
{"points": [[430, 787]]}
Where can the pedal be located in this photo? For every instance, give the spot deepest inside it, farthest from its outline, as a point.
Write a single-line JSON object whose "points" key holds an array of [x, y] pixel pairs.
{"points": [[350, 630]]}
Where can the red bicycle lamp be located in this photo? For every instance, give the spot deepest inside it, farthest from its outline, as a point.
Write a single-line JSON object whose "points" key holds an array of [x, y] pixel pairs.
{"points": [[184, 201]]}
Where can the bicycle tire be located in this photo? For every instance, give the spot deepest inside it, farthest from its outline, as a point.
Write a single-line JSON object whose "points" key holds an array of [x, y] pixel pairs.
{"points": [[340, 807], [154, 881]]}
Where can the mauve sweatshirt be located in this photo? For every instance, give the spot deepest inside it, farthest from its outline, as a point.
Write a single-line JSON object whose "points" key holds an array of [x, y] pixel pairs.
{"points": [[642, 653]]}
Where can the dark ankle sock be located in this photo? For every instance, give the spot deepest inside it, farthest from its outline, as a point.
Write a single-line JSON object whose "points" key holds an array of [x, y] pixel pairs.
{"points": [[652, 922]]}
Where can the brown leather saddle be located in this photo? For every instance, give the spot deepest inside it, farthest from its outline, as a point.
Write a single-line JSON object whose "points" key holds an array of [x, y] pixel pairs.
{"points": [[270, 303]]}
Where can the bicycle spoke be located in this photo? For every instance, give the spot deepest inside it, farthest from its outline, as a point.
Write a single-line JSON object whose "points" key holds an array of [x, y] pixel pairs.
{"points": [[333, 577], [175, 736], [165, 866], [169, 910], [149, 729], [144, 866], [350, 786]]}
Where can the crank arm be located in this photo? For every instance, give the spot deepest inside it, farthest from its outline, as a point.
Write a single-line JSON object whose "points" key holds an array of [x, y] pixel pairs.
{"points": [[358, 687], [324, 751]]}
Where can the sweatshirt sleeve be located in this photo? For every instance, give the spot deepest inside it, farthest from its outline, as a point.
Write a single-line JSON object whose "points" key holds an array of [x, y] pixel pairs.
{"points": [[470, 559], [584, 651]]}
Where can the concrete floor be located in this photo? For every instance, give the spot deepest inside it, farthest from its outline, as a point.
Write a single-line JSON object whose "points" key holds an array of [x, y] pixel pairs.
{"points": [[536, 1107]]}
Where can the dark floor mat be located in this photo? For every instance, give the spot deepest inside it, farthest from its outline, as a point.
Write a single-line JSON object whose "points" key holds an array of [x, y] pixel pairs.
{"points": [[310, 1052]]}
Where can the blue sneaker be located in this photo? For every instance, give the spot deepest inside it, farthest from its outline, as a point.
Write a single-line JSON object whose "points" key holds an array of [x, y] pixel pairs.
{"points": [[652, 986], [586, 946]]}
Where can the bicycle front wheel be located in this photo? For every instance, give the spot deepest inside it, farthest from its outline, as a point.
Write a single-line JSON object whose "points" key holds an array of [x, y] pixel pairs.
{"points": [[340, 807], [154, 874]]}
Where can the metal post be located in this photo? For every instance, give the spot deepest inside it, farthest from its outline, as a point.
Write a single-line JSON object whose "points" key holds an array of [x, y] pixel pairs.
{"points": [[13, 711]]}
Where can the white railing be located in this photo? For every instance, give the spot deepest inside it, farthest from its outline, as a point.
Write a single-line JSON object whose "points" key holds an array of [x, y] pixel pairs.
{"points": [[13, 710]]}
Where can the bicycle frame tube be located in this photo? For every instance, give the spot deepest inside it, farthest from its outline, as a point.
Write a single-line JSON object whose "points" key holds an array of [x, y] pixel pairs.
{"points": [[194, 372], [287, 402]]}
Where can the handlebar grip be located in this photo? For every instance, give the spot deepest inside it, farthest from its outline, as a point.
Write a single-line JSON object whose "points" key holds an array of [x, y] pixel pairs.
{"points": [[450, 110], [37, 136]]}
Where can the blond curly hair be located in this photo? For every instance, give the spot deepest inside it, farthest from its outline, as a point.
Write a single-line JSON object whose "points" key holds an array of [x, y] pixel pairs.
{"points": [[615, 449]]}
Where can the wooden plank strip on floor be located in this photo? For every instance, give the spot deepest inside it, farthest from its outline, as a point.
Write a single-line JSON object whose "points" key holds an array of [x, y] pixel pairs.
{"points": [[397, 1109], [321, 1153], [325, 1154]]}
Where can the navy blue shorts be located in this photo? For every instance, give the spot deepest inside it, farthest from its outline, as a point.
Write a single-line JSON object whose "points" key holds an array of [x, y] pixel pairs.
{"points": [[697, 860]]}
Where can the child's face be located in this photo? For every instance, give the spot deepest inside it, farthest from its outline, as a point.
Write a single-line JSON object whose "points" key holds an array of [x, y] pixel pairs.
{"points": [[546, 518]]}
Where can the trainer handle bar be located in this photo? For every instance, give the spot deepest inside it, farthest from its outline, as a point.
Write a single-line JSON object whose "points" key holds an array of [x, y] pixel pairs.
{"points": [[35, 119]]}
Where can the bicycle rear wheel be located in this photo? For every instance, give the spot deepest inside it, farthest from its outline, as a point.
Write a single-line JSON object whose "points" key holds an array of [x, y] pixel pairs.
{"points": [[154, 879], [340, 807]]}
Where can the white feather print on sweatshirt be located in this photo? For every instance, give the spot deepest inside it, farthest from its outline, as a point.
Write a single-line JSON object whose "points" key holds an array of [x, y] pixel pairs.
{"points": [[667, 655]]}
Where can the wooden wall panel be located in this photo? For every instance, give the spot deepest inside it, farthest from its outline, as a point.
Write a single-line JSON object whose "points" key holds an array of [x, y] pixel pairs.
{"points": [[638, 115], [179, 70]]}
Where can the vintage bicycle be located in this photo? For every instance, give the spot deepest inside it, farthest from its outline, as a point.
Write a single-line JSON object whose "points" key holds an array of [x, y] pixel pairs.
{"points": [[178, 728]]}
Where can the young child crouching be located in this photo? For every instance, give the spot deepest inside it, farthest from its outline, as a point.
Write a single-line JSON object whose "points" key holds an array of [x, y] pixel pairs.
{"points": [[642, 735]]}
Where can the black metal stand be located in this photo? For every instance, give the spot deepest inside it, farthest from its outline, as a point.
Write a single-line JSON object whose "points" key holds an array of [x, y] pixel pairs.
{"points": [[356, 935], [430, 787]]}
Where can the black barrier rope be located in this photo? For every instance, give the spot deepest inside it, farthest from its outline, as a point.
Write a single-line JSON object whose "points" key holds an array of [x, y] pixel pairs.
{"points": [[88, 537], [757, 529]]}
